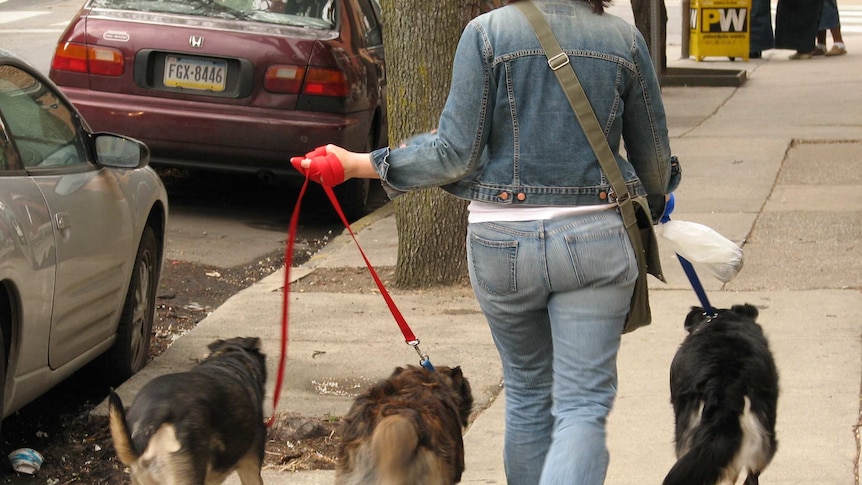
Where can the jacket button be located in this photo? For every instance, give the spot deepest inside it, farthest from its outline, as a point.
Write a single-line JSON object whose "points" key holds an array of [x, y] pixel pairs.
{"points": [[603, 195], [522, 196], [504, 195]]}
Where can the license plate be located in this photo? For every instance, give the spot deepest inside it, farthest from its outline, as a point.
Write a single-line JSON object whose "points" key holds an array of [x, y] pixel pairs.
{"points": [[195, 73]]}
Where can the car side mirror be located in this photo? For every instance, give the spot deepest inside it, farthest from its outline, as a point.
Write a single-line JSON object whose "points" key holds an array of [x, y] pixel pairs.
{"points": [[120, 151]]}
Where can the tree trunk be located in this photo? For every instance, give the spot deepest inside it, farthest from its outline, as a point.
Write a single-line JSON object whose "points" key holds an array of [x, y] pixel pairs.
{"points": [[643, 21], [420, 40]]}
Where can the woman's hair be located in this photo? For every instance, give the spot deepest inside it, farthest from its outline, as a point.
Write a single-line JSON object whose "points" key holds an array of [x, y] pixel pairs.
{"points": [[599, 6]]}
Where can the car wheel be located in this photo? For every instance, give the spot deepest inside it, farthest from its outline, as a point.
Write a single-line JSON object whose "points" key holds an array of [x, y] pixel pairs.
{"points": [[132, 347]]}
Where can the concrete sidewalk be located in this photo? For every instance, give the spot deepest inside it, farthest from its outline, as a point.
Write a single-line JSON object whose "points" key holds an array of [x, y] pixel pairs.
{"points": [[773, 165]]}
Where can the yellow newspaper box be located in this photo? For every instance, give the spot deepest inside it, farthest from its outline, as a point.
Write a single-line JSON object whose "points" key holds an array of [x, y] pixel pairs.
{"points": [[719, 28]]}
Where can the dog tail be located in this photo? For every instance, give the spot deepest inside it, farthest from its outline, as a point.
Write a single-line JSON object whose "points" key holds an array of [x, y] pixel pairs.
{"points": [[394, 443], [120, 431], [715, 442]]}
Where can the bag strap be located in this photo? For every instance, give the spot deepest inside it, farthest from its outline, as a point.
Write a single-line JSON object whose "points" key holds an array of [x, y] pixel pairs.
{"points": [[557, 60]]}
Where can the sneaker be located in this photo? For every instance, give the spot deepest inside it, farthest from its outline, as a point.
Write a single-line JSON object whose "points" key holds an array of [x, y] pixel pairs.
{"points": [[836, 51], [820, 50], [800, 56]]}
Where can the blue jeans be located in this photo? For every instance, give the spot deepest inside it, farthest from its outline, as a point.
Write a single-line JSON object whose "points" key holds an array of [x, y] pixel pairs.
{"points": [[555, 294]]}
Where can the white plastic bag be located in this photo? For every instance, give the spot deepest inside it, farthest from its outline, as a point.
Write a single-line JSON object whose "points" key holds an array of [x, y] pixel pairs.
{"points": [[703, 247]]}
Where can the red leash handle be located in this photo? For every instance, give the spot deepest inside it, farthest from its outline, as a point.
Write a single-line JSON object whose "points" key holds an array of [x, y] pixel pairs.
{"points": [[409, 337]]}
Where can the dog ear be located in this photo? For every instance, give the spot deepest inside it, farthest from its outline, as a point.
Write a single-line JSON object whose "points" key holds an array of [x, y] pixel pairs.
{"points": [[251, 343], [246, 343], [747, 310], [215, 345], [457, 377], [462, 386], [694, 318]]}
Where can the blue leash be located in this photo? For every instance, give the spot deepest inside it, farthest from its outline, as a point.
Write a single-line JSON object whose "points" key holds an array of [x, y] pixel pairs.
{"points": [[689, 268], [696, 285]]}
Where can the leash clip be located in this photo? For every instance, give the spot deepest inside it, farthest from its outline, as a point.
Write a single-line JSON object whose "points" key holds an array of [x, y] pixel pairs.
{"points": [[424, 360], [709, 316]]}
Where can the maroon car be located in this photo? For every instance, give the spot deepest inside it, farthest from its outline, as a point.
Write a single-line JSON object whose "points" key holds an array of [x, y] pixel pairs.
{"points": [[231, 85]]}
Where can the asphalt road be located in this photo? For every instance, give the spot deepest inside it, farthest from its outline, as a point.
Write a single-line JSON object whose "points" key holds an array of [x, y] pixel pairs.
{"points": [[228, 220]]}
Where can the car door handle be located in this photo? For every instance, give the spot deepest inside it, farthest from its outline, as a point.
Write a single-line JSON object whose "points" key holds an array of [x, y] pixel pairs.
{"points": [[61, 219]]}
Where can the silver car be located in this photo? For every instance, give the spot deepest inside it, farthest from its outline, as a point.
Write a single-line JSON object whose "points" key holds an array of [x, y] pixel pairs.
{"points": [[82, 236]]}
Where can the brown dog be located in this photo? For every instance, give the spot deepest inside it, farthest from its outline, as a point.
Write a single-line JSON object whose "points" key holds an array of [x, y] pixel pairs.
{"points": [[406, 430], [199, 426]]}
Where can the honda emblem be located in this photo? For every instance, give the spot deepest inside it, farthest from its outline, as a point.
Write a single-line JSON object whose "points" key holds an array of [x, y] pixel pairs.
{"points": [[196, 41]]}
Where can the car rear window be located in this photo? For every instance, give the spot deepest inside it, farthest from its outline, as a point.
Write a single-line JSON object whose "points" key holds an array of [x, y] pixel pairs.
{"points": [[316, 14]]}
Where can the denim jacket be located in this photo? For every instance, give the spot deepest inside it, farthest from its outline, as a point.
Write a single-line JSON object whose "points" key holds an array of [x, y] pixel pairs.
{"points": [[507, 133]]}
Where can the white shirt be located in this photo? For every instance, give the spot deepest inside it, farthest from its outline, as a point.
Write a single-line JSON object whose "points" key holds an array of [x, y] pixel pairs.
{"points": [[487, 212]]}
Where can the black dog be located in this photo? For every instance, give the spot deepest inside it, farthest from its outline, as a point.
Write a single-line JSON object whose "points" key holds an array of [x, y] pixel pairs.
{"points": [[724, 391], [199, 426]]}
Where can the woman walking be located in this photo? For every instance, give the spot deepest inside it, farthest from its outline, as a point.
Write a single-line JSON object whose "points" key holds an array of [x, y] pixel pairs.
{"points": [[549, 258]]}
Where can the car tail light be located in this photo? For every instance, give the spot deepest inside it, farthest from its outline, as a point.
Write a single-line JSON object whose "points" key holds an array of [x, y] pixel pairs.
{"points": [[314, 81], [93, 59], [70, 57], [283, 79], [326, 82]]}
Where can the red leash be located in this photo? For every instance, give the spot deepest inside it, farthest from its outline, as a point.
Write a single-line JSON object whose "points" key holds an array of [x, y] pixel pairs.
{"points": [[409, 337], [288, 262]]}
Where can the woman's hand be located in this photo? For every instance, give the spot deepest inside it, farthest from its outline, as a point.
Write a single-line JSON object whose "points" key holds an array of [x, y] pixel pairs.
{"points": [[321, 167], [331, 165]]}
